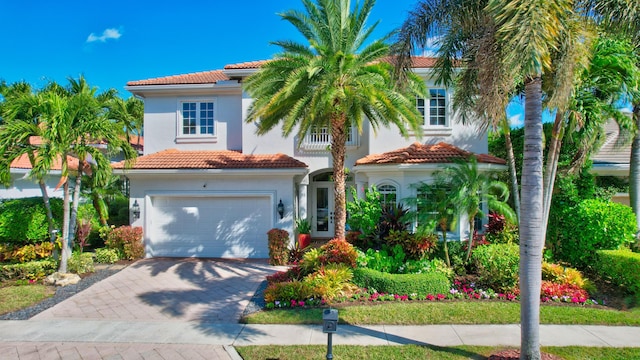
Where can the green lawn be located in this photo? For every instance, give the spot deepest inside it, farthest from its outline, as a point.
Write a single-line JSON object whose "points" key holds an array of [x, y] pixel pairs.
{"points": [[22, 296], [453, 312], [349, 352]]}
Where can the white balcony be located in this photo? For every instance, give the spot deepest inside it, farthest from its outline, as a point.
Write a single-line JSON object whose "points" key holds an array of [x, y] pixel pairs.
{"points": [[320, 139]]}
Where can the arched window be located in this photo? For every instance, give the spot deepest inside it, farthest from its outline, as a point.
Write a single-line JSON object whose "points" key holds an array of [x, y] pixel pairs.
{"points": [[388, 194]]}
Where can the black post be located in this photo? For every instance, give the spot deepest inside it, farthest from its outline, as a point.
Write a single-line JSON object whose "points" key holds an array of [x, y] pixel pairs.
{"points": [[329, 347]]}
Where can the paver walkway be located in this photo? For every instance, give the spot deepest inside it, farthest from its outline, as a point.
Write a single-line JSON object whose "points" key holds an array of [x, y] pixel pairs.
{"points": [[208, 291]]}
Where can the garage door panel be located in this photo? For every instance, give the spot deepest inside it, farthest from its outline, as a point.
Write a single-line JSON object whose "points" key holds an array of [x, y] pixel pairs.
{"points": [[233, 227]]}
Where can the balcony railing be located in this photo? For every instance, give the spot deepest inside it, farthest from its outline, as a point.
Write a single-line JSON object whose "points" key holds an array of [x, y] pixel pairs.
{"points": [[320, 139]]}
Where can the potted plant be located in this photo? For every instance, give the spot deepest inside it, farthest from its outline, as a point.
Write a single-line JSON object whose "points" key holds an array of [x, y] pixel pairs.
{"points": [[303, 227]]}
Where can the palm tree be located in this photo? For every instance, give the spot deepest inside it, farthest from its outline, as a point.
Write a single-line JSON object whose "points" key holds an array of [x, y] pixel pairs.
{"points": [[129, 114], [335, 82], [469, 187], [21, 123]]}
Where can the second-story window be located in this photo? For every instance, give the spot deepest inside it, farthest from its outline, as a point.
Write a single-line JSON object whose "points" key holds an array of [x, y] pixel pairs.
{"points": [[197, 118], [434, 109]]}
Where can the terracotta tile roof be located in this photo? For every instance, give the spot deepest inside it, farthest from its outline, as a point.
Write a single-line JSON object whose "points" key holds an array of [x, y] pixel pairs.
{"points": [[246, 65], [426, 154], [23, 162], [204, 77], [211, 77], [177, 159]]}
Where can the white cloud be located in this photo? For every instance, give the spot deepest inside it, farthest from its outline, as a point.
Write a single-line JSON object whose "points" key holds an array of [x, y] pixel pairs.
{"points": [[106, 35], [516, 121]]}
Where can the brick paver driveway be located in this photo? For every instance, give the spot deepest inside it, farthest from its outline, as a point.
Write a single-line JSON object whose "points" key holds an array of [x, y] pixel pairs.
{"points": [[203, 290]]}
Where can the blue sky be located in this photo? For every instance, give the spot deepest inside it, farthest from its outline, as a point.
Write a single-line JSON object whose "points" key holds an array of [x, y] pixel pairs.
{"points": [[112, 42]]}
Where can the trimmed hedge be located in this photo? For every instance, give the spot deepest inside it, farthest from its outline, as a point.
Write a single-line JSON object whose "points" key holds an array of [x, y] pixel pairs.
{"points": [[24, 221], [402, 284], [28, 271], [622, 267]]}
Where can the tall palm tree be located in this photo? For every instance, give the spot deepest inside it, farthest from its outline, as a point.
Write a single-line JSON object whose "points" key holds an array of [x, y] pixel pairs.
{"points": [[334, 81], [21, 123], [129, 114]]}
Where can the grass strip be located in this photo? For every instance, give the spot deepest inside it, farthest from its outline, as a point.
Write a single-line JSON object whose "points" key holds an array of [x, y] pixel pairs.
{"points": [[454, 312], [22, 296], [353, 352]]}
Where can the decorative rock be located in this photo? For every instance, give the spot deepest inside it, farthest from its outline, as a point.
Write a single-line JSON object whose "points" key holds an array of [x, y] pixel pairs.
{"points": [[60, 279]]}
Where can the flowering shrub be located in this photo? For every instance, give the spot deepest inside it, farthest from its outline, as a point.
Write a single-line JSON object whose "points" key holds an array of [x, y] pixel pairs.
{"points": [[278, 246], [338, 251], [562, 292], [293, 273], [127, 240]]}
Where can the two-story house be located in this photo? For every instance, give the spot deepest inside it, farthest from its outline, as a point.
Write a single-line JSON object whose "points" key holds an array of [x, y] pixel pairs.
{"points": [[208, 186]]}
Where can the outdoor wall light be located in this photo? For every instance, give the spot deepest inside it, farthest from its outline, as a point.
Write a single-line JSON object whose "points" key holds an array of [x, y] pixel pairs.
{"points": [[135, 209], [281, 209]]}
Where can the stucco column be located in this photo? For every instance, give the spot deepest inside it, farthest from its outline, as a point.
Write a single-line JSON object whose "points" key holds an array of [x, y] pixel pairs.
{"points": [[302, 200], [361, 187]]}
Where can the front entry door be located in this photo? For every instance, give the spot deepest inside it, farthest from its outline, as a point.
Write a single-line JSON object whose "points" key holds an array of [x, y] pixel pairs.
{"points": [[323, 225]]}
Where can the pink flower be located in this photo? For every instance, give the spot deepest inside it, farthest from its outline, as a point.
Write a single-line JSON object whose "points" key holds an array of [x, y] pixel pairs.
{"points": [[441, 297], [300, 303], [431, 297]]}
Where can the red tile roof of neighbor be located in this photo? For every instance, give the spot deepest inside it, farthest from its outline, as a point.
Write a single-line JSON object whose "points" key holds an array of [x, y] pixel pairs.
{"points": [[426, 154], [23, 162], [211, 77], [176, 159]]}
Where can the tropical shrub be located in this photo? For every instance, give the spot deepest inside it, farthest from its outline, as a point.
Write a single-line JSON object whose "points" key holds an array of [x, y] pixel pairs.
{"points": [[425, 266], [127, 241], [499, 230], [559, 274], [497, 266], [287, 291], [293, 273], [457, 253], [388, 259], [414, 246], [594, 225], [22, 254], [278, 246], [24, 221], [106, 256], [394, 217], [622, 267], [32, 270], [311, 261], [80, 263], [338, 251], [331, 281], [402, 284]]}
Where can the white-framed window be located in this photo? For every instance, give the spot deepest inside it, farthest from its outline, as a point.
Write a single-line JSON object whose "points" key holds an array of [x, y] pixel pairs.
{"points": [[434, 109], [196, 118], [388, 194]]}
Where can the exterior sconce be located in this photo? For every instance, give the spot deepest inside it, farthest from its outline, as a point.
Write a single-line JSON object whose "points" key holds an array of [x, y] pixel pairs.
{"points": [[135, 209], [280, 209]]}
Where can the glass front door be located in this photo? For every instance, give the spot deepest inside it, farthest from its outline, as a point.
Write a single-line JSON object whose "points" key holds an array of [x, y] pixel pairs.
{"points": [[323, 224]]}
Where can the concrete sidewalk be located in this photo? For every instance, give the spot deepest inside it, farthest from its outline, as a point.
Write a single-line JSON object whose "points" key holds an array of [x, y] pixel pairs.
{"points": [[95, 339]]}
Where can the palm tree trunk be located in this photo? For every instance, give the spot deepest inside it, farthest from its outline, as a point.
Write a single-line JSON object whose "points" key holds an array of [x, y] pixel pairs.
{"points": [[338, 146], [66, 247], [443, 228], [531, 227], [472, 223], [634, 166], [511, 159], [552, 167], [101, 208], [47, 207], [73, 221]]}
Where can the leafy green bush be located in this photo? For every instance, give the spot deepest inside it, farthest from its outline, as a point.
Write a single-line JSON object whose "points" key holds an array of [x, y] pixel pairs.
{"points": [[364, 214], [425, 266], [414, 246], [310, 261], [387, 259], [32, 270], [497, 265], [81, 263], [278, 246], [127, 241], [594, 225], [457, 254], [402, 284], [622, 267], [106, 256], [24, 221]]}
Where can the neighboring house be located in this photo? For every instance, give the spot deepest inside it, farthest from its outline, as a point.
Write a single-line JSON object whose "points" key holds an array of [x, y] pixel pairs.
{"points": [[613, 158], [23, 186], [208, 186]]}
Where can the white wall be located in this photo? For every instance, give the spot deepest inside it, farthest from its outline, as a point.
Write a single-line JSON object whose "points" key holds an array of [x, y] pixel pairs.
{"points": [[24, 187]]}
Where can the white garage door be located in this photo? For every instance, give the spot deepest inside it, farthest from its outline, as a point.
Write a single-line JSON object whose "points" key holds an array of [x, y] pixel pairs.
{"points": [[229, 227]]}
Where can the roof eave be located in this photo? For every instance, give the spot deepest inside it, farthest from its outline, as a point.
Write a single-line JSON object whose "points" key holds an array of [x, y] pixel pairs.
{"points": [[422, 167], [141, 89], [224, 172]]}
